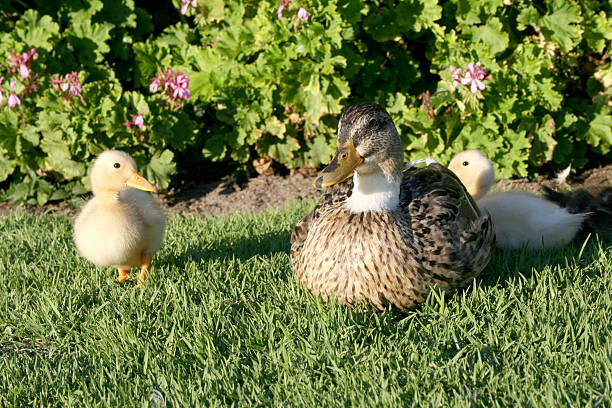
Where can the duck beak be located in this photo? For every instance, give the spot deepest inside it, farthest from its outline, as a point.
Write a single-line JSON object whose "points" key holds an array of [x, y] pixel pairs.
{"points": [[139, 182], [342, 165]]}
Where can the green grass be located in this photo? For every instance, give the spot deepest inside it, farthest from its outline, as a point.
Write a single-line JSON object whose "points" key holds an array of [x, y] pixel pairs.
{"points": [[223, 322]]}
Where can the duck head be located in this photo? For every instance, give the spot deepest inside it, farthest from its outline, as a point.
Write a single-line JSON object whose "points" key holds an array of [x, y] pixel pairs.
{"points": [[114, 171], [367, 143], [474, 170]]}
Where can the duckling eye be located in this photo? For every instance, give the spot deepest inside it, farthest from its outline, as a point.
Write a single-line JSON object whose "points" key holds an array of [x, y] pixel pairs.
{"points": [[372, 124], [116, 165], [465, 163], [343, 155]]}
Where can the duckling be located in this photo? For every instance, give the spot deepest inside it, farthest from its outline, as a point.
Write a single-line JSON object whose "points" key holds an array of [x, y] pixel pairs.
{"points": [[595, 201], [519, 218], [390, 234], [121, 226]]}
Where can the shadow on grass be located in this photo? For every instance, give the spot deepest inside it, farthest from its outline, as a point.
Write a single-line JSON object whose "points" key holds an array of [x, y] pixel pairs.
{"points": [[242, 248], [505, 265]]}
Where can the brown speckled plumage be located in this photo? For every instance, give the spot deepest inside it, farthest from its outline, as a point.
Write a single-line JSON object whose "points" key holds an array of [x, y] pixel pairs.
{"points": [[435, 237]]}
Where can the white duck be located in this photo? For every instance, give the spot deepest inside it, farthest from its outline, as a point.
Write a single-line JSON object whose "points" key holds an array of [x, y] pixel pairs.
{"points": [[121, 226], [519, 218]]}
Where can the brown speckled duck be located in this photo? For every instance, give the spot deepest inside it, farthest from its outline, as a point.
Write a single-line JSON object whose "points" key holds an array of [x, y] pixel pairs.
{"points": [[391, 233]]}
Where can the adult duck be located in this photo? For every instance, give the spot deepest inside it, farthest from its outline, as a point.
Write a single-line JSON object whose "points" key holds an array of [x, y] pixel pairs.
{"points": [[390, 234]]}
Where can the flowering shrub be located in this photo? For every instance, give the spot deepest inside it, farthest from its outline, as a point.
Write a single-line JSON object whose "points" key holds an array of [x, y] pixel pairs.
{"points": [[243, 82], [66, 97]]}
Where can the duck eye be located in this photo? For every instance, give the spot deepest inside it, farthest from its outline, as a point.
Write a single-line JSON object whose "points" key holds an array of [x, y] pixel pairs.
{"points": [[465, 163], [343, 155], [116, 165], [372, 124]]}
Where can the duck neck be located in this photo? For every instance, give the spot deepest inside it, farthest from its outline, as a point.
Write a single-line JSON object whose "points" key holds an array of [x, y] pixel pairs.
{"points": [[107, 195], [376, 190]]}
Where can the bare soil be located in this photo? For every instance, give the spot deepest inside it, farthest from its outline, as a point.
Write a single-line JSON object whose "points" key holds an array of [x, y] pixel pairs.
{"points": [[226, 195]]}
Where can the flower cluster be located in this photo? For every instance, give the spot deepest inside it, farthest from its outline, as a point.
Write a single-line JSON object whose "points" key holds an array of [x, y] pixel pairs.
{"points": [[20, 68], [13, 99], [69, 86], [23, 62], [137, 120], [472, 77], [186, 4], [301, 14], [174, 83]]}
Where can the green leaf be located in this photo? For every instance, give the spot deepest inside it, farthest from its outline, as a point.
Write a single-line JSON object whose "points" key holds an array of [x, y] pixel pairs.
{"points": [[58, 155], [416, 15], [150, 59], [492, 35], [543, 143], [7, 166], [36, 31], [201, 86], [320, 150], [597, 30], [599, 132], [160, 168], [43, 192], [382, 25], [215, 148], [561, 26], [284, 151], [528, 16], [475, 11], [351, 10]]}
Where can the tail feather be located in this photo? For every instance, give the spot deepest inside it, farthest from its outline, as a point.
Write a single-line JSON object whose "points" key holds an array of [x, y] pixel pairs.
{"points": [[595, 202]]}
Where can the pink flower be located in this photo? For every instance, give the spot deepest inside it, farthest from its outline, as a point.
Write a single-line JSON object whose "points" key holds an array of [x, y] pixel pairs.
{"points": [[474, 76], [456, 74], [154, 85], [186, 4], [75, 84], [69, 86], [22, 62], [24, 71], [303, 14], [13, 100], [138, 120], [282, 6], [174, 84]]}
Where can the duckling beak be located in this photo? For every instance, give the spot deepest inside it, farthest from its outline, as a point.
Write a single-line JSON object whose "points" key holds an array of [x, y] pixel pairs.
{"points": [[342, 165], [139, 182]]}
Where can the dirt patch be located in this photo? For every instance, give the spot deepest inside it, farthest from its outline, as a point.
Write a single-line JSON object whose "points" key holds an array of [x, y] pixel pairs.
{"points": [[591, 178], [226, 196]]}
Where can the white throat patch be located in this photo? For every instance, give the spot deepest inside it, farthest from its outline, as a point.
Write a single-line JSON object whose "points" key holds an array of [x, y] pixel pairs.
{"points": [[373, 192]]}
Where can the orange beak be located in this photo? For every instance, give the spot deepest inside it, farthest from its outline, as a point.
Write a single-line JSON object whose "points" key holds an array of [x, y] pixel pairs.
{"points": [[139, 182]]}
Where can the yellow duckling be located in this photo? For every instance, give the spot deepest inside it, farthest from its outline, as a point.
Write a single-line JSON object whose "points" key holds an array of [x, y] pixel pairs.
{"points": [[390, 234], [121, 226], [519, 218]]}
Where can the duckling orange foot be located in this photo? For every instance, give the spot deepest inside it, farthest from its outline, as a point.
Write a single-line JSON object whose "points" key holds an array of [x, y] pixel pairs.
{"points": [[123, 275], [145, 262]]}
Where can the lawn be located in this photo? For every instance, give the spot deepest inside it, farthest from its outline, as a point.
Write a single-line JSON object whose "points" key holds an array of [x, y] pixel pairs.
{"points": [[222, 322]]}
